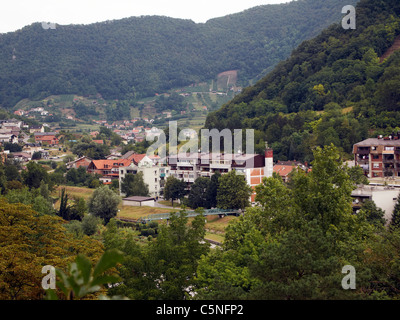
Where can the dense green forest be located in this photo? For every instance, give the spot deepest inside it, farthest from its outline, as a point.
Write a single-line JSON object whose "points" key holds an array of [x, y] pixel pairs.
{"points": [[140, 56], [333, 88]]}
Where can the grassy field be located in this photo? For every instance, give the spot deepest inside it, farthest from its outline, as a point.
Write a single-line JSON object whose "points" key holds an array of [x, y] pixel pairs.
{"points": [[75, 191], [215, 226], [131, 212]]}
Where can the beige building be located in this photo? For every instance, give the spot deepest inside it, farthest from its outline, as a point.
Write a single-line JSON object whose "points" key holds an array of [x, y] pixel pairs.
{"points": [[385, 197], [151, 175]]}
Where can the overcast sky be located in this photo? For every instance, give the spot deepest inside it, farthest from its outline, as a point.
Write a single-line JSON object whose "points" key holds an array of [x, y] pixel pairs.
{"points": [[15, 14]]}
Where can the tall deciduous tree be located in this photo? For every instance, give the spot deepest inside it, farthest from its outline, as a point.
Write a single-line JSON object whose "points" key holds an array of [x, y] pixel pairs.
{"points": [[174, 189], [198, 193], [133, 185], [233, 191], [30, 241], [104, 203], [212, 190], [294, 245], [34, 175], [165, 269]]}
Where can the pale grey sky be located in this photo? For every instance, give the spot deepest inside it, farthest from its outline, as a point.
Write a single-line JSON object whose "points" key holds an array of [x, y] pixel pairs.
{"points": [[15, 14]]}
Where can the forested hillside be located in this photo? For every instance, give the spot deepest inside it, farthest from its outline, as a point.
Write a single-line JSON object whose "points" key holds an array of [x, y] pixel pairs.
{"points": [[140, 56], [333, 89]]}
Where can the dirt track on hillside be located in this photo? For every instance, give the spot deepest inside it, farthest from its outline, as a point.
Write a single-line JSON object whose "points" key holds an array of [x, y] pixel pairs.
{"points": [[393, 48]]}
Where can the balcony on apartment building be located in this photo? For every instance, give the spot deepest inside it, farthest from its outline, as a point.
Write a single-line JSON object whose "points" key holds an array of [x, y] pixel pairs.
{"points": [[388, 158], [363, 159], [363, 151], [220, 164]]}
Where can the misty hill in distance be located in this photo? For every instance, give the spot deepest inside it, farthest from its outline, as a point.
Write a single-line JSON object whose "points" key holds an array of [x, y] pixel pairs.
{"points": [[139, 56]]}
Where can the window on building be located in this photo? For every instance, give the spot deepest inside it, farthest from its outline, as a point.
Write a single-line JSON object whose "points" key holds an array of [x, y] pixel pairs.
{"points": [[376, 166]]}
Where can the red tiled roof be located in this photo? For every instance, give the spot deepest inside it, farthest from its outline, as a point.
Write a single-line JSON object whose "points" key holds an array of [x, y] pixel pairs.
{"points": [[136, 158], [100, 164], [283, 170]]}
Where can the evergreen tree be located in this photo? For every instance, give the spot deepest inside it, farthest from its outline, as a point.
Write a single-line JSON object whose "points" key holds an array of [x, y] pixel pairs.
{"points": [[212, 190], [198, 193], [395, 221]]}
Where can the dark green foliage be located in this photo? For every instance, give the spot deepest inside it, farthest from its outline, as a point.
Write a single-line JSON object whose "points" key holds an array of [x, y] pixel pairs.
{"points": [[133, 185], [198, 193], [103, 203], [90, 224], [165, 268], [118, 111], [34, 174], [212, 191], [92, 150], [66, 211], [173, 102], [12, 147], [373, 214], [80, 177], [294, 246], [233, 191], [395, 221], [139, 147], [148, 229], [140, 56], [82, 110], [32, 197], [11, 171], [174, 189], [37, 155], [300, 103]]}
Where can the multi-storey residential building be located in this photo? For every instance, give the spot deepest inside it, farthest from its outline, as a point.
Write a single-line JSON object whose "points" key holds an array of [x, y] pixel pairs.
{"points": [[253, 167], [379, 157], [151, 174]]}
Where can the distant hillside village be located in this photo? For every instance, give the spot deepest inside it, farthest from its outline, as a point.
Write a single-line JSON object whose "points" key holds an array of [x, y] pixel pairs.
{"points": [[379, 158]]}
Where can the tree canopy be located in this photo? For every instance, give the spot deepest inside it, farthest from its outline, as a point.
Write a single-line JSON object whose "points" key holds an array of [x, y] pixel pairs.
{"points": [[133, 185]]}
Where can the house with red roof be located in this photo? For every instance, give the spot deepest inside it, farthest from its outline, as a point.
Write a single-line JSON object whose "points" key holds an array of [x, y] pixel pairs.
{"points": [[46, 138], [108, 168]]}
